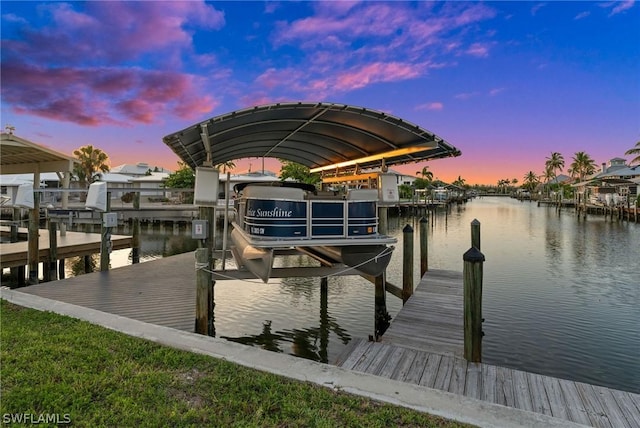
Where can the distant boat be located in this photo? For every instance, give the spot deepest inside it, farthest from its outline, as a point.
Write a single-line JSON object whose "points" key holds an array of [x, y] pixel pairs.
{"points": [[284, 215]]}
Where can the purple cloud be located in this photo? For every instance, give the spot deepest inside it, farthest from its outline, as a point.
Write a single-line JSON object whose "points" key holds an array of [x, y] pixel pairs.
{"points": [[434, 106], [348, 46], [96, 96], [618, 6], [77, 69], [478, 49]]}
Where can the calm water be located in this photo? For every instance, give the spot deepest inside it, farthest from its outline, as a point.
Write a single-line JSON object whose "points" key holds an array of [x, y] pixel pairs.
{"points": [[561, 295]]}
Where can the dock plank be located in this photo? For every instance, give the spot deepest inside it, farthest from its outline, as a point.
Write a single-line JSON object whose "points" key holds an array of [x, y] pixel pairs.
{"points": [[431, 370], [404, 365], [489, 380], [539, 397], [557, 403], [417, 368], [504, 387], [575, 407], [629, 412], [521, 391], [594, 408], [473, 381], [445, 372]]}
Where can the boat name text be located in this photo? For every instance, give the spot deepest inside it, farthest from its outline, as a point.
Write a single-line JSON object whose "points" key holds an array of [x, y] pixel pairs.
{"points": [[276, 212]]}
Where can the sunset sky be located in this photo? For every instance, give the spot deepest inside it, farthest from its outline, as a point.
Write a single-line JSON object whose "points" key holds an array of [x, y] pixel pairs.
{"points": [[505, 82]]}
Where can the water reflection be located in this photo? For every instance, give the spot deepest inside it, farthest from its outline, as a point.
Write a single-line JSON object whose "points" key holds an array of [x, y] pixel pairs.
{"points": [[311, 343]]}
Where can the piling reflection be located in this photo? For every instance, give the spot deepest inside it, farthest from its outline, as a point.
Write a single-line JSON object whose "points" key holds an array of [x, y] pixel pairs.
{"points": [[310, 343]]}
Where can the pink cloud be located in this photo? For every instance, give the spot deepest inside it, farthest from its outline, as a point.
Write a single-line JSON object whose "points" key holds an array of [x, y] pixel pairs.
{"points": [[495, 91], [479, 50], [96, 96], [78, 36], [435, 106], [69, 71], [376, 72], [466, 95], [353, 40]]}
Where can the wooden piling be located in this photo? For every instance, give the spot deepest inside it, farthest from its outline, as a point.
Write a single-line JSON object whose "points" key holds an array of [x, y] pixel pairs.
{"points": [[324, 320], [424, 247], [475, 234], [15, 222], [472, 283], [204, 294], [53, 252], [383, 225], [407, 263], [61, 273], [381, 317], [33, 235], [106, 239], [135, 240]]}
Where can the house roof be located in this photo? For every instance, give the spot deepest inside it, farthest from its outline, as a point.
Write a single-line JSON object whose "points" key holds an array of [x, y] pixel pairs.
{"points": [[317, 135], [20, 156], [137, 169], [155, 177]]}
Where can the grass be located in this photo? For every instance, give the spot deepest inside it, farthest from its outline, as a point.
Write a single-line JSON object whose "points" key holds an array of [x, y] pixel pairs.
{"points": [[52, 364]]}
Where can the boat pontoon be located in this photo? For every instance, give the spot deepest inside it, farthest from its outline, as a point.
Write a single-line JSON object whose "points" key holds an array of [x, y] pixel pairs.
{"points": [[325, 225]]}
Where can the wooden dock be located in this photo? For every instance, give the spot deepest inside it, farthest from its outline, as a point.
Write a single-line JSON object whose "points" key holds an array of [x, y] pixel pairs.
{"points": [[166, 296], [71, 245], [432, 318], [424, 346]]}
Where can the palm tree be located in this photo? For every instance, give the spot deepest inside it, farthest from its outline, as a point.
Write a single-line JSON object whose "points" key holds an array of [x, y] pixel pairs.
{"points": [[228, 165], [93, 161], [460, 182], [634, 151], [425, 174], [530, 181], [582, 165], [553, 163]]}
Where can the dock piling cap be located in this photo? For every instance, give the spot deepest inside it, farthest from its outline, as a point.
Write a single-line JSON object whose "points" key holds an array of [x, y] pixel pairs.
{"points": [[473, 255]]}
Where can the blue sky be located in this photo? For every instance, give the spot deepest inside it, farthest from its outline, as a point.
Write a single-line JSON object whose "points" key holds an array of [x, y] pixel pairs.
{"points": [[505, 82]]}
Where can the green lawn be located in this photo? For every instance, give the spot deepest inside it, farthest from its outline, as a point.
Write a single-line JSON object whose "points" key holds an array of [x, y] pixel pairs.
{"points": [[52, 364]]}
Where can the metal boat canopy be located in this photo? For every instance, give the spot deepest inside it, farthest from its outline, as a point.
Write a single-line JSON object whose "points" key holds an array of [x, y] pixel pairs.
{"points": [[321, 136]]}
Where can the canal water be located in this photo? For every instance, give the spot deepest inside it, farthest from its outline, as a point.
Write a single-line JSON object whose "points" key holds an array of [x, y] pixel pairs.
{"points": [[561, 295]]}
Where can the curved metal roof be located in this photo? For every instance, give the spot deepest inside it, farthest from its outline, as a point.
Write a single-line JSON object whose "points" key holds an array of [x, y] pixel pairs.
{"points": [[20, 156], [317, 135]]}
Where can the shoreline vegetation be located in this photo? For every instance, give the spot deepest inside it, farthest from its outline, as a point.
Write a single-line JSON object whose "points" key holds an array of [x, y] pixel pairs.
{"points": [[74, 372]]}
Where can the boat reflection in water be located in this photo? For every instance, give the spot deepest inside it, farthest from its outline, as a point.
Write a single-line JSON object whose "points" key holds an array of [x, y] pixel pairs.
{"points": [[331, 228]]}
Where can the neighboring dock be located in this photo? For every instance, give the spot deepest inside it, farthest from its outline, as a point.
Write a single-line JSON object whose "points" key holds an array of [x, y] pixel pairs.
{"points": [[424, 346], [72, 244]]}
